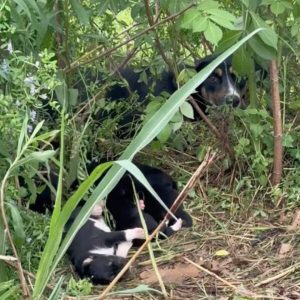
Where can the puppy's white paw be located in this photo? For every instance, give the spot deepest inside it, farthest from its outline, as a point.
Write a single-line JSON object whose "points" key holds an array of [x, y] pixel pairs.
{"points": [[134, 233], [177, 225]]}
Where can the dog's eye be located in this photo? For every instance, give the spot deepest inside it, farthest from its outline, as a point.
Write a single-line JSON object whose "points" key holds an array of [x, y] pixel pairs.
{"points": [[213, 79]]}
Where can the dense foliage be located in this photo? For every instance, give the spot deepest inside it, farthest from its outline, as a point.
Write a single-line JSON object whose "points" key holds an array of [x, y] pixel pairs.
{"points": [[58, 59]]}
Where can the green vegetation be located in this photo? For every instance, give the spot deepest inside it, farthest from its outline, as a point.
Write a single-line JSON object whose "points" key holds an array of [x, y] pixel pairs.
{"points": [[57, 61]]}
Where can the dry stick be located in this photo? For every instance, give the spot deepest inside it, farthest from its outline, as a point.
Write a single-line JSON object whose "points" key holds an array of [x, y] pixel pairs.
{"points": [[211, 126], [77, 64], [287, 271], [156, 38], [277, 125], [211, 273], [23, 283], [209, 158]]}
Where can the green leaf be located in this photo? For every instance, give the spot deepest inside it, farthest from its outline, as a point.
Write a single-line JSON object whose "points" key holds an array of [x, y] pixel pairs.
{"points": [[277, 8], [18, 225], [22, 135], [187, 110], [165, 133], [200, 24], [34, 156], [268, 36], [213, 33], [80, 11], [261, 49], [208, 4], [222, 18], [242, 61], [188, 19], [57, 291], [73, 97], [229, 38]]}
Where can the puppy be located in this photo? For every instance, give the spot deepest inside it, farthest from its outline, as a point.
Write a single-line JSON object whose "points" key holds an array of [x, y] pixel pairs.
{"points": [[120, 202], [98, 253]]}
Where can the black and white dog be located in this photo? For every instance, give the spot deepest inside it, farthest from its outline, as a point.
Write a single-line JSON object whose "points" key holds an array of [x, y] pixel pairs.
{"points": [[99, 253]]}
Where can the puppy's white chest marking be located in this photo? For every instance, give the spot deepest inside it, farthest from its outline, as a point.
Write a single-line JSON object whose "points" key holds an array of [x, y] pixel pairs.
{"points": [[105, 251], [100, 224]]}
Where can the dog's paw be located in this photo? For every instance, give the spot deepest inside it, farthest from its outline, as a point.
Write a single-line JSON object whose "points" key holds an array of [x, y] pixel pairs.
{"points": [[177, 225], [134, 233]]}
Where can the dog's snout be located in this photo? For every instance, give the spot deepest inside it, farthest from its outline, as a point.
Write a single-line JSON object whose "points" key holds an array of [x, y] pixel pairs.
{"points": [[233, 100]]}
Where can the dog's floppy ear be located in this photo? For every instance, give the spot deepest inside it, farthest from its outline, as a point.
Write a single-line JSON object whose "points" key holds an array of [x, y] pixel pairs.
{"points": [[84, 270], [200, 64]]}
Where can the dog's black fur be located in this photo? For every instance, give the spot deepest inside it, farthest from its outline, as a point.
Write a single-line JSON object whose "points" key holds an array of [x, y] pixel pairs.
{"points": [[120, 202], [220, 88], [98, 253]]}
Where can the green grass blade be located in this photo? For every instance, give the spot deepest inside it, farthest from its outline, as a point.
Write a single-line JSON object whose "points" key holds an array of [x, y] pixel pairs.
{"points": [[22, 135]]}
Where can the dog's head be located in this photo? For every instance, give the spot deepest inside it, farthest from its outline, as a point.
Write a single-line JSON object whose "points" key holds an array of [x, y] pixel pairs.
{"points": [[221, 87], [102, 269]]}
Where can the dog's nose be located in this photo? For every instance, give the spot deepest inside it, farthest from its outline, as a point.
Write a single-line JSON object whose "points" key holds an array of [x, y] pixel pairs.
{"points": [[233, 100]]}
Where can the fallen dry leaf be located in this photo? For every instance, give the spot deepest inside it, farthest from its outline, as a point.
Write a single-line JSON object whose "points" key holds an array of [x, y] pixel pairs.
{"points": [[285, 250], [221, 253], [296, 221], [177, 274]]}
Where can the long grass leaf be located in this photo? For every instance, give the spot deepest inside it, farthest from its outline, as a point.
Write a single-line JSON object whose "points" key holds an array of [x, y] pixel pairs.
{"points": [[22, 135]]}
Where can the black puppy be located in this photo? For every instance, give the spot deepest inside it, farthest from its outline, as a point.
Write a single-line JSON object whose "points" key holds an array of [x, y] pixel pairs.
{"points": [[120, 201], [98, 253]]}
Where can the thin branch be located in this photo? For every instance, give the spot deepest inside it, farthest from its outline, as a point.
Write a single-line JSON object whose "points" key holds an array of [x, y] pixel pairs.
{"points": [[277, 125], [212, 127], [156, 38], [78, 64], [208, 160], [211, 273]]}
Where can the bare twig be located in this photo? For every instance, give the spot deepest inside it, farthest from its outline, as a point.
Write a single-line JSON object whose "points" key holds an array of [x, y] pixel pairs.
{"points": [[285, 272], [156, 38], [209, 158], [211, 273], [277, 125], [130, 54], [212, 127], [78, 64]]}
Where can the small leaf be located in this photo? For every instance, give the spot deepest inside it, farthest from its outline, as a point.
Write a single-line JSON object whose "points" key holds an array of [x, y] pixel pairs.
{"points": [[200, 25], [187, 110], [221, 253], [80, 11], [213, 33], [277, 8], [268, 36], [164, 135]]}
